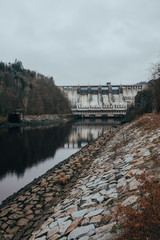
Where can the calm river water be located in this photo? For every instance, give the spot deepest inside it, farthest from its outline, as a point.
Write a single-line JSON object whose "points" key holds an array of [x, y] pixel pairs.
{"points": [[26, 154]]}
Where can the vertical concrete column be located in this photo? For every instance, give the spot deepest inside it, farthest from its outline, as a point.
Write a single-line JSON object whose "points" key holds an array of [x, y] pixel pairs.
{"points": [[89, 96], [120, 93], [100, 100], [78, 97], [110, 94], [132, 94]]}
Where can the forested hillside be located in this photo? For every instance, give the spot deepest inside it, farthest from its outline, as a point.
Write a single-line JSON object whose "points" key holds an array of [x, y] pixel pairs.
{"points": [[148, 100], [32, 92]]}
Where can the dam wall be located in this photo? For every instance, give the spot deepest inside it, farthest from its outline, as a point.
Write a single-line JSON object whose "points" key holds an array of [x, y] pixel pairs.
{"points": [[101, 100]]}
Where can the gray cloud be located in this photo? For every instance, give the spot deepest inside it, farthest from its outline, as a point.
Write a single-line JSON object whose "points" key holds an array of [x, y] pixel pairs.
{"points": [[82, 41]]}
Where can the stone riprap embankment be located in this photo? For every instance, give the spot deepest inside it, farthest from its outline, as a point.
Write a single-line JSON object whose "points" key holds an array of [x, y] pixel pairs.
{"points": [[101, 179], [23, 212]]}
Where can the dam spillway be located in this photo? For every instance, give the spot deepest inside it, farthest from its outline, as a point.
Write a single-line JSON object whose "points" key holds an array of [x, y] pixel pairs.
{"points": [[101, 100]]}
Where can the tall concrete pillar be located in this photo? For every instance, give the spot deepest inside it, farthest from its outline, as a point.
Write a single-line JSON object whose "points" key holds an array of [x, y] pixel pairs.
{"points": [[78, 97], [120, 93], [89, 96], [100, 99], [110, 93]]}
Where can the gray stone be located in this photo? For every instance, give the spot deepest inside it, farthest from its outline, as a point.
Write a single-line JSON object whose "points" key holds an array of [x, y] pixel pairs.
{"points": [[43, 232], [89, 203], [127, 167], [107, 176], [105, 229], [87, 198], [146, 154], [121, 179], [80, 232], [102, 182], [111, 191], [64, 226], [113, 195], [69, 207], [101, 186], [136, 171], [113, 185], [121, 184], [57, 208], [130, 200], [134, 185], [83, 187], [103, 192], [128, 159], [98, 197], [94, 213], [53, 224], [90, 184], [41, 238], [80, 213], [112, 178], [107, 236], [52, 231], [84, 238], [61, 220]]}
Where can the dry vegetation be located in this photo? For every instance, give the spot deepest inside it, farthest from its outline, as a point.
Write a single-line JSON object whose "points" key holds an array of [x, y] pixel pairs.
{"points": [[142, 221]]}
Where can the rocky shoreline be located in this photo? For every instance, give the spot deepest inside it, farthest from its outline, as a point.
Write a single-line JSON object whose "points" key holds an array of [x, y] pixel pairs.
{"points": [[38, 121], [77, 198]]}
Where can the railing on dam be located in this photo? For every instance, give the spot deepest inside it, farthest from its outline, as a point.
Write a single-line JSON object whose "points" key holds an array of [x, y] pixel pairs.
{"points": [[98, 113], [101, 101]]}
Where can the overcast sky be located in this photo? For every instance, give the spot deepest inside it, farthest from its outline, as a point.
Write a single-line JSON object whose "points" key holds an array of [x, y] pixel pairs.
{"points": [[82, 41]]}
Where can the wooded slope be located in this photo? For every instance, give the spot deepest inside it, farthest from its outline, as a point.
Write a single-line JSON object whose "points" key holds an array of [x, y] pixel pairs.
{"points": [[32, 92]]}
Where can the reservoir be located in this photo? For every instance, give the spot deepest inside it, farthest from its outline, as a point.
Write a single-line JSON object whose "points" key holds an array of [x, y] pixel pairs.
{"points": [[26, 154]]}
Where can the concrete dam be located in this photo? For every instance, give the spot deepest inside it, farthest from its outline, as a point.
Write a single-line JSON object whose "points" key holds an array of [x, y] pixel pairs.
{"points": [[101, 100]]}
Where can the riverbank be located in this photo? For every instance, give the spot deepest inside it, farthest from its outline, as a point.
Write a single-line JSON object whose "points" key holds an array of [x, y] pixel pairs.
{"points": [[77, 198], [38, 121]]}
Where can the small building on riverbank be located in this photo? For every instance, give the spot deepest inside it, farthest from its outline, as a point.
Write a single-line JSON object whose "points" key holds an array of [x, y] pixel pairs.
{"points": [[15, 116]]}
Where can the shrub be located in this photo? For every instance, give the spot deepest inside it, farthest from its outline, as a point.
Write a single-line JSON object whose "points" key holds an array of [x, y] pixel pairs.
{"points": [[142, 222]]}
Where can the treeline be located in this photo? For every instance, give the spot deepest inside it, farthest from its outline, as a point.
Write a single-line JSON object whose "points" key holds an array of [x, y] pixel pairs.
{"points": [[32, 92], [148, 100]]}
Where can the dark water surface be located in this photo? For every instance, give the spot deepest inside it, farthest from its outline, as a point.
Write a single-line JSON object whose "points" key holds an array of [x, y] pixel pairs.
{"points": [[26, 154]]}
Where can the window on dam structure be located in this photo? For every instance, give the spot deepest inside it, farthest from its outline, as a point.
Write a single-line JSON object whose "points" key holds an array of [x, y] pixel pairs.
{"points": [[94, 90], [104, 90], [115, 90], [84, 90]]}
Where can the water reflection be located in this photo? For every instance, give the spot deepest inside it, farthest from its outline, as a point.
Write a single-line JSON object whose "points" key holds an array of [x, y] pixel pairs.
{"points": [[26, 154], [20, 149], [86, 130]]}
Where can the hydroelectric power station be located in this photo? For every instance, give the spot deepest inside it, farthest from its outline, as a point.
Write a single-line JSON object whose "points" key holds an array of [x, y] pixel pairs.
{"points": [[101, 100]]}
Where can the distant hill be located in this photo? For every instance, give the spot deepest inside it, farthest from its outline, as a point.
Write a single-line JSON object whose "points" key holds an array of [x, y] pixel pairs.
{"points": [[32, 92]]}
